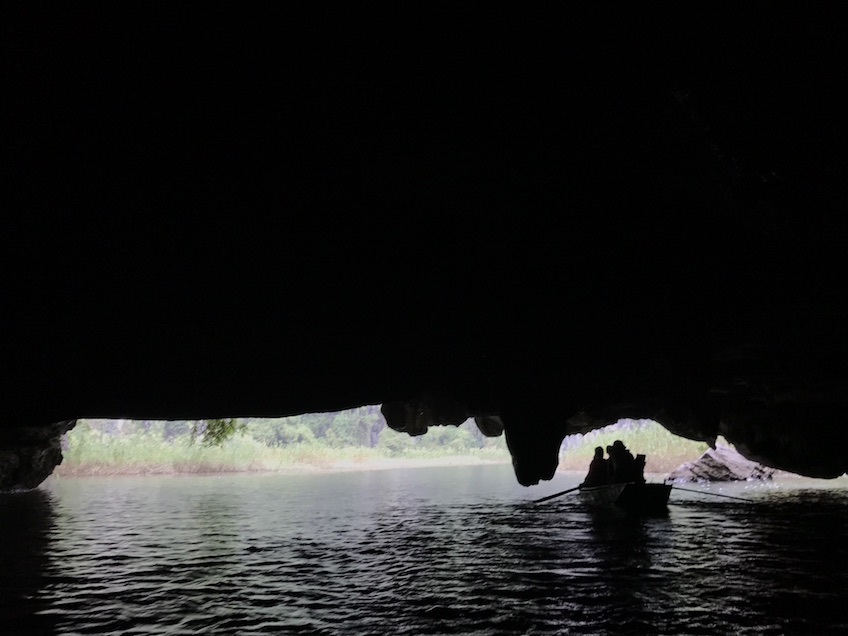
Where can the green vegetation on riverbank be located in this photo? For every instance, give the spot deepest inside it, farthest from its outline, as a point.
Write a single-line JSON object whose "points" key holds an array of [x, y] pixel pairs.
{"points": [[349, 439], [308, 442]]}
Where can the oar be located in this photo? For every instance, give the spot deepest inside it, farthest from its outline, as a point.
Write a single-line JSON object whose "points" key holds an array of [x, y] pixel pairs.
{"points": [[702, 492], [559, 494]]}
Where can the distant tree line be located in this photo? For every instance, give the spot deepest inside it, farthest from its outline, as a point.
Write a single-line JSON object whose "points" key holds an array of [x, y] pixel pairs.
{"points": [[360, 427]]}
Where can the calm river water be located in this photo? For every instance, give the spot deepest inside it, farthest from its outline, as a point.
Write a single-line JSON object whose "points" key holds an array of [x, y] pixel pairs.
{"points": [[416, 551]]}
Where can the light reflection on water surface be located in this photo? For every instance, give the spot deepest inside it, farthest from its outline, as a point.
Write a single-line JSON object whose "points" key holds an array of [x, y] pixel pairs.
{"points": [[425, 551]]}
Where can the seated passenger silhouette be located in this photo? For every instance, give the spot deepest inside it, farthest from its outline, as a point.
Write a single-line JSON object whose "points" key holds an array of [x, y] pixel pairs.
{"points": [[623, 463], [598, 470], [640, 469]]}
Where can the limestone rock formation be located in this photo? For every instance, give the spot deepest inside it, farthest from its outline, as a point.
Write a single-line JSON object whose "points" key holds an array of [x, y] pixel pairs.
{"points": [[721, 463], [556, 217], [416, 415], [29, 454]]}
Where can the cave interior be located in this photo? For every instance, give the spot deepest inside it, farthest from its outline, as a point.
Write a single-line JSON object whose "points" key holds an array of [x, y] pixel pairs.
{"points": [[543, 219]]}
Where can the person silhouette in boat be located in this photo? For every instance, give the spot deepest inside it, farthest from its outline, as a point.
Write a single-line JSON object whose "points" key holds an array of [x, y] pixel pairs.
{"points": [[598, 470], [622, 463]]}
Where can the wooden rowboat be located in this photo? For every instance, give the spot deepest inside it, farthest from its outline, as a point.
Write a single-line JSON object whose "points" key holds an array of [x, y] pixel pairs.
{"points": [[631, 497]]}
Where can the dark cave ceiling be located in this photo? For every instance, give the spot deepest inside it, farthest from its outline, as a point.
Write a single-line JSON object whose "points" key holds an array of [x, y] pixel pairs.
{"points": [[553, 217]]}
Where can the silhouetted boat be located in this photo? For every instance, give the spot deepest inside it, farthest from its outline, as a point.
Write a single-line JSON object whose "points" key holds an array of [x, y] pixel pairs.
{"points": [[632, 497]]}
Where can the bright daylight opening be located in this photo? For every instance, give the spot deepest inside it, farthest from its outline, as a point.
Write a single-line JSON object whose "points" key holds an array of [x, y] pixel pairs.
{"points": [[350, 439]]}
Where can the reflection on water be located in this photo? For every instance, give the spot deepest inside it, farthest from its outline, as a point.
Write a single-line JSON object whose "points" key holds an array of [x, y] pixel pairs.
{"points": [[446, 551], [26, 521]]}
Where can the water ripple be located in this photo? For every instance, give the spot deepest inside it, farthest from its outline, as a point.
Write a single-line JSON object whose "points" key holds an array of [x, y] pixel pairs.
{"points": [[371, 554]]}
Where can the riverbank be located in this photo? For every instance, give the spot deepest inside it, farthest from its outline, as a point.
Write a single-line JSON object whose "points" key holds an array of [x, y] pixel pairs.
{"points": [[103, 448], [382, 463], [200, 468], [286, 445], [143, 456]]}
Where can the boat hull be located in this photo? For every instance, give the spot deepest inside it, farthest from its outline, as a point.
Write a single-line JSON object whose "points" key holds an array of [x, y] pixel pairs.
{"points": [[635, 498]]}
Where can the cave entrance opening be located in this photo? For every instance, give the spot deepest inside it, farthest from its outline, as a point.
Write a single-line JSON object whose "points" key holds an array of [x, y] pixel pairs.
{"points": [[664, 450], [352, 438]]}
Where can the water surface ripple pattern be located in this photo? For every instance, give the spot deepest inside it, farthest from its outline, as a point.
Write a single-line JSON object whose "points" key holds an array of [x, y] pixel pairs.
{"points": [[428, 551]]}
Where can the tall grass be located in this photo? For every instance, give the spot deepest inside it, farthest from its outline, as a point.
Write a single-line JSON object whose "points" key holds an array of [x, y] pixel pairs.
{"points": [[92, 452]]}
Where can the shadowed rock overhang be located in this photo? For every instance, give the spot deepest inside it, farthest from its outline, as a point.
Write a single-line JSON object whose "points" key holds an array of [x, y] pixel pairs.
{"points": [[544, 220]]}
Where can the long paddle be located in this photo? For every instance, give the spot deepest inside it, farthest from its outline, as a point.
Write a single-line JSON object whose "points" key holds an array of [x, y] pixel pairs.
{"points": [[559, 494], [701, 492]]}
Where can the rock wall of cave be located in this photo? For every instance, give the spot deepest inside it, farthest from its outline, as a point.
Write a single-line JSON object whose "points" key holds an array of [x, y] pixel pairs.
{"points": [[28, 454], [547, 218]]}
